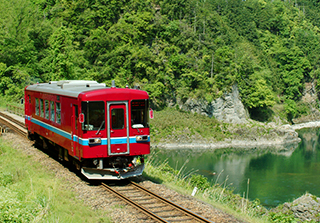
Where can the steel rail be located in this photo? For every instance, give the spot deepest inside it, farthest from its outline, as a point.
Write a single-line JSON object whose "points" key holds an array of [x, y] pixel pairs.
{"points": [[174, 207], [12, 119], [126, 199], [12, 127], [182, 209]]}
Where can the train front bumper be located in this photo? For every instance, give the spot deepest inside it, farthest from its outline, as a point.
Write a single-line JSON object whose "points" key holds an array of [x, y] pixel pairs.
{"points": [[111, 173]]}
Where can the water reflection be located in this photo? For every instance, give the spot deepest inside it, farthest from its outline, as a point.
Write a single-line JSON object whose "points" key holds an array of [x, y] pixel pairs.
{"points": [[275, 176]]}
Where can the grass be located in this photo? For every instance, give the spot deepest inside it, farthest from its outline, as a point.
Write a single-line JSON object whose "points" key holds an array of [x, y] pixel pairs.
{"points": [[172, 125], [28, 193]]}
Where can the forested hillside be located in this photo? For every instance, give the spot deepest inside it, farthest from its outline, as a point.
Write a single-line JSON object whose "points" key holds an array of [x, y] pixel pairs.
{"points": [[171, 48]]}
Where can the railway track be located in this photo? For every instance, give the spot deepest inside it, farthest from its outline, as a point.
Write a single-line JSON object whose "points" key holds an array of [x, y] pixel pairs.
{"points": [[13, 124], [155, 207]]}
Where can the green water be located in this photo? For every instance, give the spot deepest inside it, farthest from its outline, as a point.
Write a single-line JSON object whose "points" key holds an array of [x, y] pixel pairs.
{"points": [[273, 177]]}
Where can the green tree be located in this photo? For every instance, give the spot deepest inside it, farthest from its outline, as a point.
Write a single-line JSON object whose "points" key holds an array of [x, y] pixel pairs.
{"points": [[291, 109], [224, 67], [259, 95], [64, 60]]}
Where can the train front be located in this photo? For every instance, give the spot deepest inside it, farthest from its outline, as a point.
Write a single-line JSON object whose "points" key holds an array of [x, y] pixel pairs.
{"points": [[115, 135]]}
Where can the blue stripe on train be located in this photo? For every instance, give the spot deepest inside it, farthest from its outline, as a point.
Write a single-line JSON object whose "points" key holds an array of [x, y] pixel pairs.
{"points": [[84, 142], [52, 128]]}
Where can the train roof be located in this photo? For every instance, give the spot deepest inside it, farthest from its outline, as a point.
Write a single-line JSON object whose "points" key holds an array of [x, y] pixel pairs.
{"points": [[71, 88], [84, 89]]}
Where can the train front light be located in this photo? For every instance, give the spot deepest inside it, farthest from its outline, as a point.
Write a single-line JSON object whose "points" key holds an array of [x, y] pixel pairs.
{"points": [[142, 138], [94, 141]]}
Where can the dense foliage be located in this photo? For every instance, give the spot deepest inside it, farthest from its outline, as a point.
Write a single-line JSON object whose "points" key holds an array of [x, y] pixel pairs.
{"points": [[173, 49]]}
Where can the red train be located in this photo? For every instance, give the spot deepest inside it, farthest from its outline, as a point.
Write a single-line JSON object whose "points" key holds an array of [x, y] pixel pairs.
{"points": [[104, 131]]}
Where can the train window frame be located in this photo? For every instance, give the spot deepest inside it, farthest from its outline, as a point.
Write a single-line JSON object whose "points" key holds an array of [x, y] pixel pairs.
{"points": [[76, 118], [139, 108], [94, 115], [58, 113], [37, 106], [117, 118], [46, 109], [41, 108], [52, 111]]}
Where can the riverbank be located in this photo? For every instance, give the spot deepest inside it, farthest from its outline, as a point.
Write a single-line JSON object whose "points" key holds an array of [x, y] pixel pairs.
{"points": [[173, 128], [312, 124], [304, 208], [280, 137], [247, 144], [176, 129]]}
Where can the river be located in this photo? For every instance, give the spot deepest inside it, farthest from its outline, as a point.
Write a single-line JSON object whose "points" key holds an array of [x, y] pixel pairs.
{"points": [[272, 176]]}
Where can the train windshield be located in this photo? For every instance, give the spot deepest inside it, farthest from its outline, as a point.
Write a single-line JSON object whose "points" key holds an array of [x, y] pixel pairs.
{"points": [[139, 113], [94, 115]]}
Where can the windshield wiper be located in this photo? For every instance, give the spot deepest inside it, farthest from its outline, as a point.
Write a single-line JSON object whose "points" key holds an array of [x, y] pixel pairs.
{"points": [[102, 123]]}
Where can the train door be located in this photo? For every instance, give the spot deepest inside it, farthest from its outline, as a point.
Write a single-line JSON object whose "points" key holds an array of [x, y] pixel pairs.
{"points": [[75, 131], [118, 128]]}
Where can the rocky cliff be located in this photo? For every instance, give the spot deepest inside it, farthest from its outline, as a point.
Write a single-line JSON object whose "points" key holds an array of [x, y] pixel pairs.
{"points": [[227, 108]]}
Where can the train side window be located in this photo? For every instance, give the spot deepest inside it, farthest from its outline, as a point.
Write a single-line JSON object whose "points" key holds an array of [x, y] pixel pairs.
{"points": [[41, 108], [46, 107], [37, 106], [51, 111], [117, 118], [58, 113]]}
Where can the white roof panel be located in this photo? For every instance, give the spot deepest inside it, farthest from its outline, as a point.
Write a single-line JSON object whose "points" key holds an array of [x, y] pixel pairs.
{"points": [[71, 88]]}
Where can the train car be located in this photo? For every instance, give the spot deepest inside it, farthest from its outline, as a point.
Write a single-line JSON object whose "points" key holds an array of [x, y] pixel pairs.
{"points": [[103, 131]]}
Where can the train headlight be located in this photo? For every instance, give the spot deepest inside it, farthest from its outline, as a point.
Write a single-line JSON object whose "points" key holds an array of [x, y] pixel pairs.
{"points": [[94, 141], [141, 138]]}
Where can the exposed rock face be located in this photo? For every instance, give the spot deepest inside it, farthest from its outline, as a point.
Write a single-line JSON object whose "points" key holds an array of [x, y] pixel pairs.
{"points": [[309, 97], [227, 108], [305, 208]]}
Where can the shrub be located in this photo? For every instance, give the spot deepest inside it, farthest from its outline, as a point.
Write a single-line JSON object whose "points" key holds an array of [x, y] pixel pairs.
{"points": [[166, 168], [291, 109], [199, 181], [281, 217]]}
